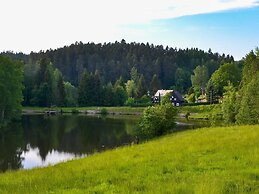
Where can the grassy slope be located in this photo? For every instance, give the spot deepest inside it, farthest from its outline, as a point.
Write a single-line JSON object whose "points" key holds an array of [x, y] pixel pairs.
{"points": [[209, 160]]}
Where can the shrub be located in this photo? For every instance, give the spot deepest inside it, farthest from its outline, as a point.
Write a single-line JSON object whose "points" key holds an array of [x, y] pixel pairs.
{"points": [[74, 111], [130, 101], [157, 120], [103, 111], [216, 117]]}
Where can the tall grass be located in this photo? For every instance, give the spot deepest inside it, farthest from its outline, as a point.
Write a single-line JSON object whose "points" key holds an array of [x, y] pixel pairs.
{"points": [[208, 160]]}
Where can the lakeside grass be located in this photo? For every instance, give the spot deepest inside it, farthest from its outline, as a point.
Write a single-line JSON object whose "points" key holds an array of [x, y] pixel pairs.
{"points": [[122, 109], [196, 112], [207, 160], [201, 112]]}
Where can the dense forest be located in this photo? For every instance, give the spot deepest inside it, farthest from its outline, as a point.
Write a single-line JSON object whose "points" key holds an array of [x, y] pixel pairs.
{"points": [[53, 77]]}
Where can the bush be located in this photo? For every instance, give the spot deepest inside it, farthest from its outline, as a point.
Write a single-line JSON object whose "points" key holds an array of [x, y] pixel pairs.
{"points": [[216, 117], [103, 111], [74, 111], [130, 101], [157, 120]]}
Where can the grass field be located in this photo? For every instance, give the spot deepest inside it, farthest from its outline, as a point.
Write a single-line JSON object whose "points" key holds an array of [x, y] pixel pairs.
{"points": [[207, 160]]}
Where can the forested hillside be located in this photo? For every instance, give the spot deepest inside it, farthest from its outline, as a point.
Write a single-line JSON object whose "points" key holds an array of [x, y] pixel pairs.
{"points": [[172, 66], [113, 74]]}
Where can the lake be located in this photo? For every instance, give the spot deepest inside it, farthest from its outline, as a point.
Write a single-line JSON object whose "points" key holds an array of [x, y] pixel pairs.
{"points": [[40, 140]]}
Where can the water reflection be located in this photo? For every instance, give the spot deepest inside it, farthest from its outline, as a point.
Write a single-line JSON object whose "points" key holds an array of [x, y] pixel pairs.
{"points": [[32, 158], [11, 147], [41, 140]]}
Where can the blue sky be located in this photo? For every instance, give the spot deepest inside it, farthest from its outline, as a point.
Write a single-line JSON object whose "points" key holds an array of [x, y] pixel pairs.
{"points": [[225, 26], [234, 32]]}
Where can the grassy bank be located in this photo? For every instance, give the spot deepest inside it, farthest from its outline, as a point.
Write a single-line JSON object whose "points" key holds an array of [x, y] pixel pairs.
{"points": [[208, 160], [111, 110], [197, 112]]}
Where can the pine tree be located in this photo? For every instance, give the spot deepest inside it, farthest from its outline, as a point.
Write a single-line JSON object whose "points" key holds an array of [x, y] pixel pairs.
{"points": [[61, 91], [83, 89], [141, 87], [154, 85]]}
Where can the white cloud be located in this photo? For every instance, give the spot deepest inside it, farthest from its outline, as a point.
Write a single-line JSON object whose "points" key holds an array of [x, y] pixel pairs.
{"points": [[40, 24]]}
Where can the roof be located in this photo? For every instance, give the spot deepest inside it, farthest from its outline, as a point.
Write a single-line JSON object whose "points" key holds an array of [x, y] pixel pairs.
{"points": [[162, 92], [176, 94]]}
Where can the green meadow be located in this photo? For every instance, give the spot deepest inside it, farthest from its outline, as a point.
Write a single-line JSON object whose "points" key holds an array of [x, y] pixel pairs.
{"points": [[206, 160]]}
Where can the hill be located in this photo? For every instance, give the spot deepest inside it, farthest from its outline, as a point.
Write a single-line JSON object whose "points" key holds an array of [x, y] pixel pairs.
{"points": [[114, 60], [208, 160]]}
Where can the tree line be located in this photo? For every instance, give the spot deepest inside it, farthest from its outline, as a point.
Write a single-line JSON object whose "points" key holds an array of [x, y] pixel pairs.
{"points": [[173, 67], [109, 74], [240, 93], [121, 73]]}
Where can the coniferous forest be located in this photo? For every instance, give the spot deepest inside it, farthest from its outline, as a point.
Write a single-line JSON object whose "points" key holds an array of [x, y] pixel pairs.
{"points": [[110, 74]]}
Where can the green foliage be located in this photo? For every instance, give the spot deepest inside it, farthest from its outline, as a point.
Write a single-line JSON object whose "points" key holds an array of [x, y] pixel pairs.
{"points": [[155, 66], [108, 95], [130, 101], [166, 98], [30, 72], [229, 72], [84, 89], [200, 77], [74, 111], [44, 91], [248, 107], [71, 95], [115, 60], [157, 120], [134, 74], [182, 80], [11, 78], [120, 95], [131, 88], [141, 87], [119, 82], [60, 90], [191, 98], [103, 111], [154, 85], [229, 104]]}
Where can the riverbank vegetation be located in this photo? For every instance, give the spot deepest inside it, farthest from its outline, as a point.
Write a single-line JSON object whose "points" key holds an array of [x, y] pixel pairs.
{"points": [[157, 120], [85, 110], [208, 160], [240, 103], [11, 76]]}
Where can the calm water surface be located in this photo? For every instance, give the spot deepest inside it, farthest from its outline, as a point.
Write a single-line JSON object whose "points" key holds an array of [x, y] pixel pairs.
{"points": [[41, 140]]}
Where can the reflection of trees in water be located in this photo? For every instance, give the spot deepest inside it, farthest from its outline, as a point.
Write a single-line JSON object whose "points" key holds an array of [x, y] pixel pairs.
{"points": [[11, 147], [64, 133], [74, 134]]}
